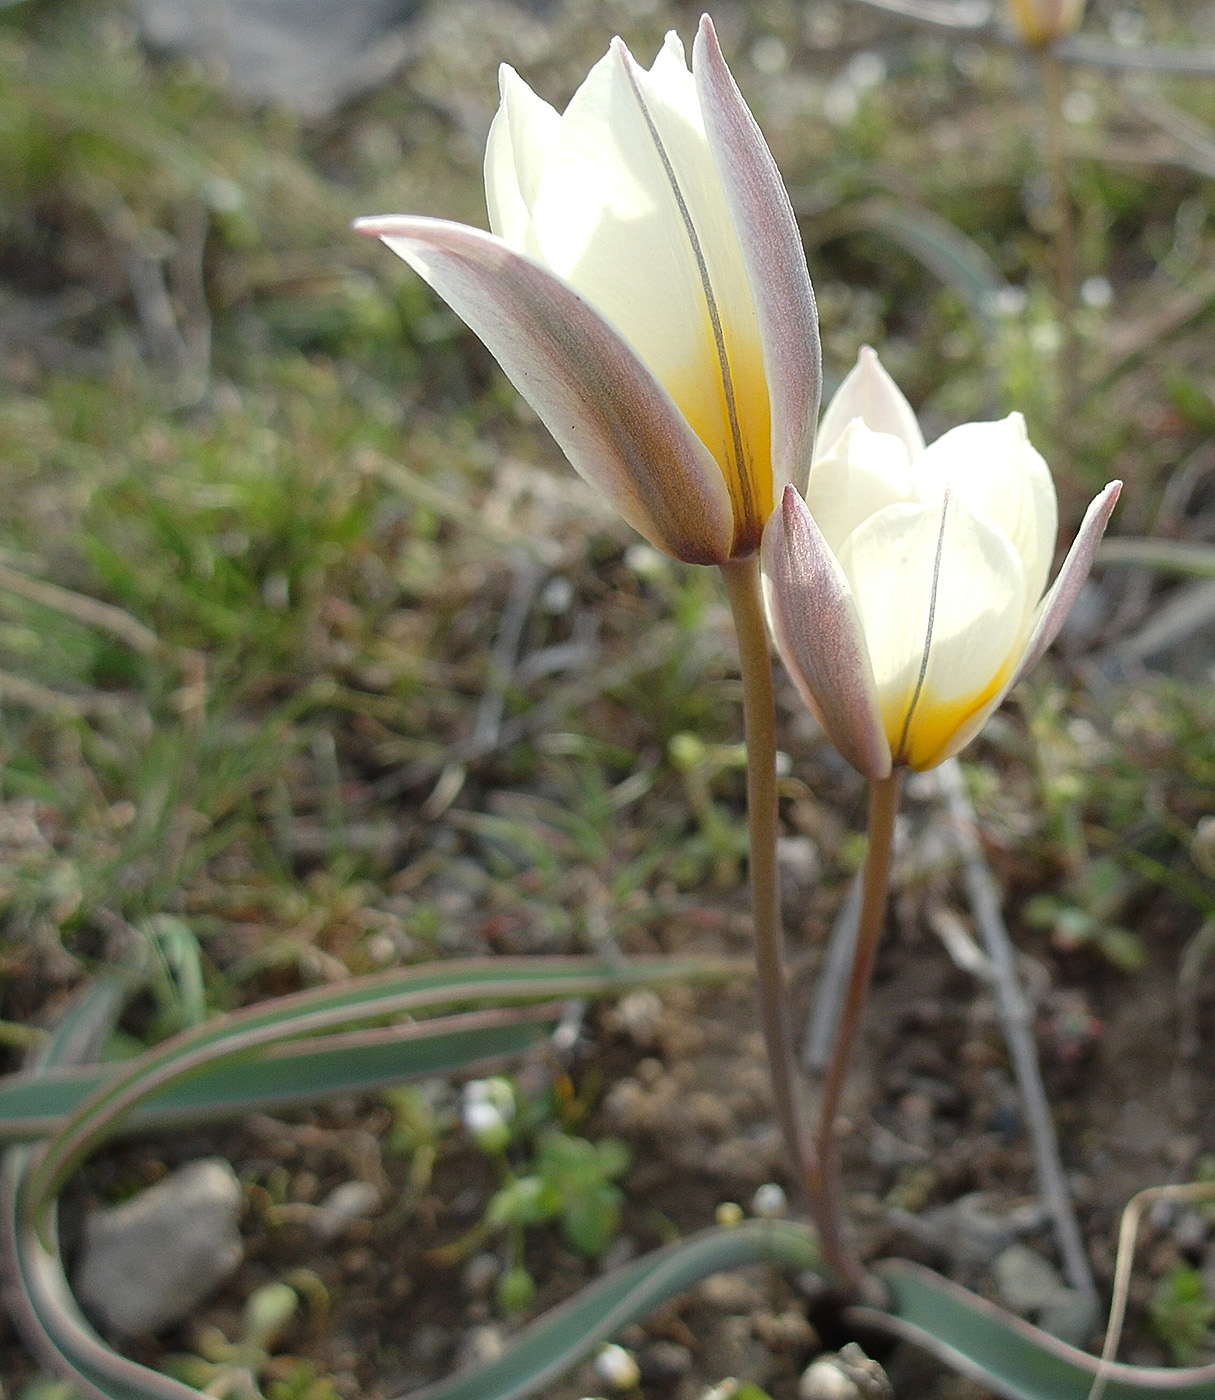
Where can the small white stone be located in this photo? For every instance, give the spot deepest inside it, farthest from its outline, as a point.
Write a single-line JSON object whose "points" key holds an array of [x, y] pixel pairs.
{"points": [[1097, 292], [350, 1201], [770, 1201], [823, 1380], [618, 1367]]}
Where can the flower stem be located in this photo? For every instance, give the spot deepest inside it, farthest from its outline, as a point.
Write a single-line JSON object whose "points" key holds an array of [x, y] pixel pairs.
{"points": [[883, 806], [742, 582]]}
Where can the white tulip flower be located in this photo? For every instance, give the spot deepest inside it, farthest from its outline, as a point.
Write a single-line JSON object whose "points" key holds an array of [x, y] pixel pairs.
{"points": [[645, 289], [906, 591]]}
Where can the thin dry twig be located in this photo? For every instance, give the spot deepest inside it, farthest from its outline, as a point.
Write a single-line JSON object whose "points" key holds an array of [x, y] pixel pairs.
{"points": [[1152, 58], [649, 653], [832, 982], [503, 663], [42, 699], [970, 15], [1016, 1023], [1127, 1232]]}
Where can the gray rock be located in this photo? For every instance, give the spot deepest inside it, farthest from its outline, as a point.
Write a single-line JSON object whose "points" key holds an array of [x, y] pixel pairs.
{"points": [[1026, 1282], [844, 1375], [309, 55], [1029, 1285], [149, 1262]]}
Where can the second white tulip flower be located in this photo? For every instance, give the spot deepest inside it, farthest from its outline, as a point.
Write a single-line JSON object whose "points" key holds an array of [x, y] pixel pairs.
{"points": [[906, 591]]}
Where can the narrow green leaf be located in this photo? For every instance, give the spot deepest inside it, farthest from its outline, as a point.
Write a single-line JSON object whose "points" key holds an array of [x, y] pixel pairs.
{"points": [[567, 1334], [37, 1294], [35, 1104], [1163, 556], [502, 981], [940, 246], [1017, 1360]]}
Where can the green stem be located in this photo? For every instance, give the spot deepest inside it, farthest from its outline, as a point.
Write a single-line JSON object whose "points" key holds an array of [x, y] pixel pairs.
{"points": [[883, 807], [742, 580]]}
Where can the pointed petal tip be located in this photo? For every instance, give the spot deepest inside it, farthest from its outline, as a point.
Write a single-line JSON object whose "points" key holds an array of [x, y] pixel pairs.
{"points": [[385, 225]]}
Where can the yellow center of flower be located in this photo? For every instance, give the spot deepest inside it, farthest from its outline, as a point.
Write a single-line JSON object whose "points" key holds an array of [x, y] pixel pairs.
{"points": [[727, 409], [726, 399], [919, 737], [921, 721]]}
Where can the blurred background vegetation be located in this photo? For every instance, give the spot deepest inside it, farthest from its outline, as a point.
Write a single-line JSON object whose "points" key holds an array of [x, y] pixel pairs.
{"points": [[315, 657]]}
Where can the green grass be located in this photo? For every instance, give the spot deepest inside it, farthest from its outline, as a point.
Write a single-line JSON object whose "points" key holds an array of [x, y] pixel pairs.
{"points": [[311, 505]]}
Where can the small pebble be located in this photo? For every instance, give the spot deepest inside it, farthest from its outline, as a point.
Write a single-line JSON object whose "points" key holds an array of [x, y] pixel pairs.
{"points": [[1024, 1280], [664, 1363], [617, 1367], [150, 1261], [480, 1345], [823, 1380], [345, 1203], [480, 1274], [638, 1014], [846, 1375], [770, 1201]]}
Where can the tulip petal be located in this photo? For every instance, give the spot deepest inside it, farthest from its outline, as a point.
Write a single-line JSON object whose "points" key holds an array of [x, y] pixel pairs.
{"points": [[869, 393], [1054, 608], [941, 597], [632, 213], [994, 468], [819, 638], [520, 136], [774, 257], [861, 474], [613, 420]]}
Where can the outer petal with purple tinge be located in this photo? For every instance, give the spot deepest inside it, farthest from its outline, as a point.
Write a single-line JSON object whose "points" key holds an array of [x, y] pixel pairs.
{"points": [[645, 289]]}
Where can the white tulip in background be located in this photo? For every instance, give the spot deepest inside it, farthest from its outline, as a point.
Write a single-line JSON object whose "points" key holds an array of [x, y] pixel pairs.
{"points": [[906, 591]]}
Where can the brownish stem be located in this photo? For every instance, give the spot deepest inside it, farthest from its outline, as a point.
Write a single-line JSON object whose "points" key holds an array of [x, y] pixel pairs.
{"points": [[742, 580], [883, 807]]}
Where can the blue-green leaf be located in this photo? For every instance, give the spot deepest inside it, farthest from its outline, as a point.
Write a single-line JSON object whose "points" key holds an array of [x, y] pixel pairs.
{"points": [[1009, 1355]]}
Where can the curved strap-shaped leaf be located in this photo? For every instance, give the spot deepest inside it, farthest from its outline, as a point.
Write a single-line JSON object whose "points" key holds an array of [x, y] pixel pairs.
{"points": [[503, 981], [40, 1299], [562, 1337], [1008, 1354], [35, 1104], [36, 1291]]}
